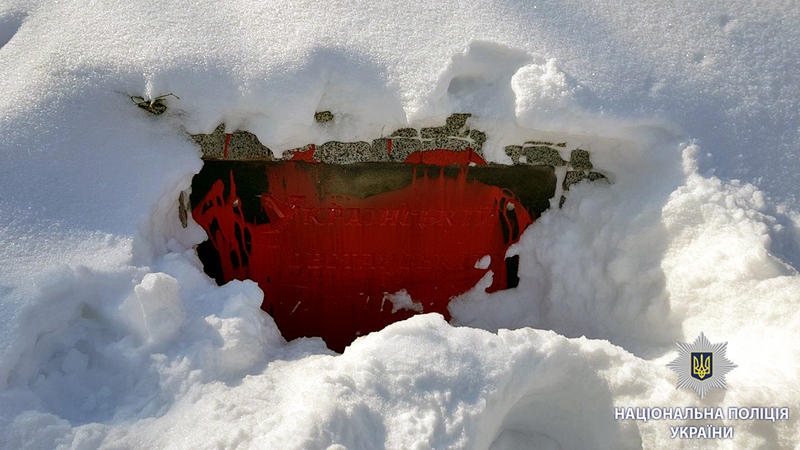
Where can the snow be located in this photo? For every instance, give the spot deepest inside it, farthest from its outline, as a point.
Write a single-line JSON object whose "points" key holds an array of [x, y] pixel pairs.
{"points": [[113, 337], [402, 300], [486, 260]]}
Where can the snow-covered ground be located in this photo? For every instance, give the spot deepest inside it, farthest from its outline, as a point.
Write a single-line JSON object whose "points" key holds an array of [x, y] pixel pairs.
{"points": [[112, 337]]}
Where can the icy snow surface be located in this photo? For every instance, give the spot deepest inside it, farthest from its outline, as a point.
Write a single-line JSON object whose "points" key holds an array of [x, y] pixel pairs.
{"points": [[112, 337]]}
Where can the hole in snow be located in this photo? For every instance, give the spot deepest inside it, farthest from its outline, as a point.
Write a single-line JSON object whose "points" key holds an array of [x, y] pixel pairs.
{"points": [[328, 230]]}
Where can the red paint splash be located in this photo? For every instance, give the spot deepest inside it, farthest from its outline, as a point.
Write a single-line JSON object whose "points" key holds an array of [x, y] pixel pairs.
{"points": [[325, 262], [225, 150], [442, 157], [305, 155]]}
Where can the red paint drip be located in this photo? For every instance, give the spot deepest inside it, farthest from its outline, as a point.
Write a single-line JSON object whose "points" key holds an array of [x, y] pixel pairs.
{"points": [[305, 155], [325, 262], [389, 147], [225, 150]]}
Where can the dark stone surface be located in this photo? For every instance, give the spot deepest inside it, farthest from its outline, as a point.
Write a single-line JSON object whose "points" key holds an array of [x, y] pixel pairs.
{"points": [[402, 147], [447, 143], [334, 152], [212, 144], [242, 145], [579, 160], [323, 116], [405, 132], [573, 177], [541, 155], [596, 176]]}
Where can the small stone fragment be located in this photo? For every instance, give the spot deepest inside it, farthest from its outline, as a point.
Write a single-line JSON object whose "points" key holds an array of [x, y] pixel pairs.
{"points": [[579, 160], [405, 132], [545, 156], [573, 177], [514, 152], [323, 116], [452, 127], [595, 176]]}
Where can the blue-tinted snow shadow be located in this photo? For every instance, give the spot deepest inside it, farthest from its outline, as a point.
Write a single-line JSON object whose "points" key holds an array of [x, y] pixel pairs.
{"points": [[10, 23]]}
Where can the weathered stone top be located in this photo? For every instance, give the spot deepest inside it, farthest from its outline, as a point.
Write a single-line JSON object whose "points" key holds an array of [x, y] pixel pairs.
{"points": [[454, 135]]}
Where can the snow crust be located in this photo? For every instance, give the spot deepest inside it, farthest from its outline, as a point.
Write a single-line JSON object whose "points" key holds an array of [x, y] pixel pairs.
{"points": [[112, 336], [402, 300]]}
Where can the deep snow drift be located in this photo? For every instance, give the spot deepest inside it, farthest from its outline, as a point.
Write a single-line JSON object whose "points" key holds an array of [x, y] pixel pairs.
{"points": [[113, 337]]}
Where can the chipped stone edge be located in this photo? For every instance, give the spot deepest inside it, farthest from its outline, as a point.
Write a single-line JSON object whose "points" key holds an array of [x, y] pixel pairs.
{"points": [[455, 135]]}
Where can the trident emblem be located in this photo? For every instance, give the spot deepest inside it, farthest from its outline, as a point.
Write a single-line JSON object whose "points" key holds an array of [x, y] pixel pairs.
{"points": [[702, 365], [698, 367]]}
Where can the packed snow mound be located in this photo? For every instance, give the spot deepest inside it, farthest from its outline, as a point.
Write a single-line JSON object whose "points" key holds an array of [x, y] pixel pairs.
{"points": [[112, 335]]}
